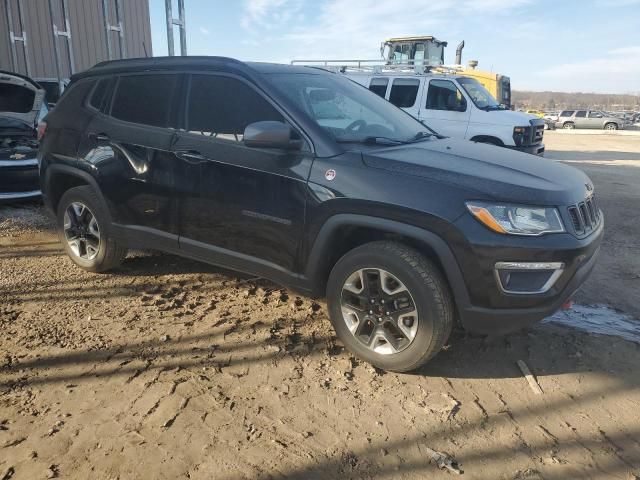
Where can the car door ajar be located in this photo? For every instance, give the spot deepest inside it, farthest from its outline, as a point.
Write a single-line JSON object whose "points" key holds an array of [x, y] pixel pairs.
{"points": [[248, 207], [129, 146]]}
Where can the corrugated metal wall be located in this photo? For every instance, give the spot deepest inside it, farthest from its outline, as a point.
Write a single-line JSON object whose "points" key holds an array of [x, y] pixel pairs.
{"points": [[88, 34]]}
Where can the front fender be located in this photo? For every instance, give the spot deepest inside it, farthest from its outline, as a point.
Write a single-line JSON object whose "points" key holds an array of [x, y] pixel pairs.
{"points": [[323, 243]]}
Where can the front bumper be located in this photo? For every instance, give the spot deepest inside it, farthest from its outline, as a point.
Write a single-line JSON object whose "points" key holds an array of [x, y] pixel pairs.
{"points": [[19, 179], [490, 310]]}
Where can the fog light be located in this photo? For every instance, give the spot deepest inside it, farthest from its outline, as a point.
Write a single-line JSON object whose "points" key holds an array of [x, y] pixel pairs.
{"points": [[527, 278]]}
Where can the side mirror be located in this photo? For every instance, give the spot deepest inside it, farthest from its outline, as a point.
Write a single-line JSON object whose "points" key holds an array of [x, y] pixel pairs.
{"points": [[270, 134]]}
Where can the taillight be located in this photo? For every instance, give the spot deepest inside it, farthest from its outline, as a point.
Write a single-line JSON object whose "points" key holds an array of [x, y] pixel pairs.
{"points": [[42, 129]]}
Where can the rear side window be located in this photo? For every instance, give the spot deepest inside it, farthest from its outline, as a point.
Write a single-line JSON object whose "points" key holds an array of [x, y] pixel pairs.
{"points": [[379, 86], [144, 99], [404, 92], [581, 114], [222, 107], [100, 93], [566, 113], [444, 95]]}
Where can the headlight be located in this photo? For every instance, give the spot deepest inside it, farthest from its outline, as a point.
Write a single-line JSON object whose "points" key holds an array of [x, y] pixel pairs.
{"points": [[521, 135], [517, 219]]}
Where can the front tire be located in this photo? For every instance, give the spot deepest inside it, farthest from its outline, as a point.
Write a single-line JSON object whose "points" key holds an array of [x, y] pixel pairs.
{"points": [[390, 305], [569, 126], [84, 230]]}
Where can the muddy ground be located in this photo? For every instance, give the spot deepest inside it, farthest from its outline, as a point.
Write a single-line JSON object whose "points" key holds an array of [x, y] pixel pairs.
{"points": [[173, 369]]}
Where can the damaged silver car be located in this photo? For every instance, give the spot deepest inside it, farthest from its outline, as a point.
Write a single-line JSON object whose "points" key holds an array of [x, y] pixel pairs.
{"points": [[22, 107]]}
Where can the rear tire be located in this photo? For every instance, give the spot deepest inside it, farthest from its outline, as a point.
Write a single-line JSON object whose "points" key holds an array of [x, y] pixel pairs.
{"points": [[568, 126], [611, 126], [390, 305], [84, 230]]}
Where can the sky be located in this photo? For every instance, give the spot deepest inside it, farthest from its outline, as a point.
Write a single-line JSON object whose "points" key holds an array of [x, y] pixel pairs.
{"points": [[558, 45]]}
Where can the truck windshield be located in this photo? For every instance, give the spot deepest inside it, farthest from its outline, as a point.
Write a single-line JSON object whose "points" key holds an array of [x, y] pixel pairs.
{"points": [[480, 95], [348, 111]]}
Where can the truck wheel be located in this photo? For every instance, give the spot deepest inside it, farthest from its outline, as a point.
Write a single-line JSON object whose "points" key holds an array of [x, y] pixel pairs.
{"points": [[83, 228], [390, 305], [611, 126], [568, 126]]}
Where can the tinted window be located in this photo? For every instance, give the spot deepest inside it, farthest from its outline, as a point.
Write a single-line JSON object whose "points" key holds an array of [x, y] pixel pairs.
{"points": [[100, 94], [144, 99], [379, 86], [566, 113], [581, 114], [222, 107], [444, 95], [404, 92]]}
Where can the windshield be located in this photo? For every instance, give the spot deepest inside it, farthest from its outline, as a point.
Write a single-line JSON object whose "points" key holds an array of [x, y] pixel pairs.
{"points": [[348, 111], [480, 95]]}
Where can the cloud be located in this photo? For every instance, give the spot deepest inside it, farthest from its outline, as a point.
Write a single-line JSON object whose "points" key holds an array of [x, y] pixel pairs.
{"points": [[618, 71], [205, 31], [268, 14]]}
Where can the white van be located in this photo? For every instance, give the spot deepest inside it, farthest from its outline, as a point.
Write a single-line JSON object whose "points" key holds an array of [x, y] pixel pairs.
{"points": [[456, 106]]}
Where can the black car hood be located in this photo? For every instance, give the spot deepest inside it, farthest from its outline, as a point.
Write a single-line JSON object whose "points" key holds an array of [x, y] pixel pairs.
{"points": [[488, 172]]}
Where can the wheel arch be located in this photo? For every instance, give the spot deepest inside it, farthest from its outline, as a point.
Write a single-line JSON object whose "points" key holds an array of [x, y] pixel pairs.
{"points": [[343, 232], [488, 139], [60, 178]]}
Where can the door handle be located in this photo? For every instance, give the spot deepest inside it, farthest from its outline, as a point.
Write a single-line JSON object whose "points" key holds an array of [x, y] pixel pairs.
{"points": [[191, 156], [99, 137]]}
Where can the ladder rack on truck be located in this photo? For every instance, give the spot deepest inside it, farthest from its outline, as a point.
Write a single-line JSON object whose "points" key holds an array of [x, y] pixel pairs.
{"points": [[377, 67]]}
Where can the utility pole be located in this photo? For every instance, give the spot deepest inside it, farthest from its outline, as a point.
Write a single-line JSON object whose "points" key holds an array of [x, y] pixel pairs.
{"points": [[176, 21]]}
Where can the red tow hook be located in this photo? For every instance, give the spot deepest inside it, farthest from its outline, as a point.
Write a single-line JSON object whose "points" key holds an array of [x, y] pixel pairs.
{"points": [[567, 305]]}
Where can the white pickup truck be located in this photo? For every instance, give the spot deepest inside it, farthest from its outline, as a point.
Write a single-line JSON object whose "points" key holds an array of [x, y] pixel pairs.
{"points": [[455, 106]]}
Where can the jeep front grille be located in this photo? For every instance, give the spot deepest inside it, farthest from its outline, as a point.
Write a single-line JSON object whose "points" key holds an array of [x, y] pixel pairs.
{"points": [[585, 216]]}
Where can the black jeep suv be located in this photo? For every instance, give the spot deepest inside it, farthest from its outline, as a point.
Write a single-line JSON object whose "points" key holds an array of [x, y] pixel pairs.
{"points": [[306, 178]]}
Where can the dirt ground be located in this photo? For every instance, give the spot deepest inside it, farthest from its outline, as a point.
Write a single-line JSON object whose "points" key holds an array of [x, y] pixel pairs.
{"points": [[173, 369]]}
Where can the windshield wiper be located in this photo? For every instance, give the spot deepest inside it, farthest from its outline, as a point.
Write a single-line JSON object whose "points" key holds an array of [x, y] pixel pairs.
{"points": [[493, 107], [372, 140], [421, 136]]}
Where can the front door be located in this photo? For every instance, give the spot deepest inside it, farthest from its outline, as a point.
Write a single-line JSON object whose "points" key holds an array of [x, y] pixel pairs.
{"points": [[129, 144], [446, 109], [249, 203]]}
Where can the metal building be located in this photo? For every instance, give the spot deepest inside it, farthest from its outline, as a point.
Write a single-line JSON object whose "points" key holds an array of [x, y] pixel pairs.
{"points": [[51, 39]]}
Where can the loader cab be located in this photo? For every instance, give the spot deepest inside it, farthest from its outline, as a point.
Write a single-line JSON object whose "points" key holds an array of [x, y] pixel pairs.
{"points": [[425, 51]]}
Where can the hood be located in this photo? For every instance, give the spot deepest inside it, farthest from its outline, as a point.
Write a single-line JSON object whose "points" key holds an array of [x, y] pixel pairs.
{"points": [[20, 97], [486, 171], [504, 117]]}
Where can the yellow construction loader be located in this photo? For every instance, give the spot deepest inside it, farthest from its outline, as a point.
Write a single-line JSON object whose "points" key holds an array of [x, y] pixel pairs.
{"points": [[427, 54]]}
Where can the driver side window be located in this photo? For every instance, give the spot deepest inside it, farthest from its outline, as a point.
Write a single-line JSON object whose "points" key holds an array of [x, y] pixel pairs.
{"points": [[444, 95]]}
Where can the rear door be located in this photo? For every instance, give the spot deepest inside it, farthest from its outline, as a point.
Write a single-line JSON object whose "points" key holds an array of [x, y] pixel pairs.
{"points": [[128, 142], [581, 120], [446, 108], [246, 205]]}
